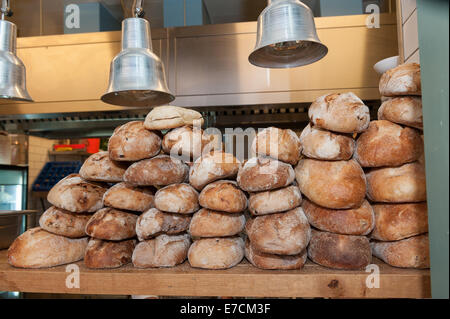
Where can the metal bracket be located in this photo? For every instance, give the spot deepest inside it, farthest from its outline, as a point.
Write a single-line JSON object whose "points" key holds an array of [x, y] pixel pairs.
{"points": [[6, 9]]}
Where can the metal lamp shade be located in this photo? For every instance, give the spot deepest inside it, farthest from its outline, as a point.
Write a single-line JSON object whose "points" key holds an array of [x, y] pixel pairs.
{"points": [[286, 36], [12, 70], [137, 76]]}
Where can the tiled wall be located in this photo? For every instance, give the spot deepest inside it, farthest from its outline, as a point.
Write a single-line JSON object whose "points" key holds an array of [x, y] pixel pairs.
{"points": [[410, 46]]}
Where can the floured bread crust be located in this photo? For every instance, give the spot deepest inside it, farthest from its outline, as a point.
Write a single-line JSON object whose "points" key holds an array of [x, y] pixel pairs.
{"points": [[108, 254], [154, 222], [167, 117], [128, 197], [223, 196], [275, 201], [405, 110], [100, 168], [209, 223], [177, 198], [112, 224], [62, 222]]}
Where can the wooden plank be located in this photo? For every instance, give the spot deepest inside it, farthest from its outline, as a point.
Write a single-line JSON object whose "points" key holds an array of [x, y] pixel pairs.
{"points": [[241, 281]]}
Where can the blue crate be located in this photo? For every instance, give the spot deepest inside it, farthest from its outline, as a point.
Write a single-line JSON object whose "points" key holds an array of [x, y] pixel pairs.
{"points": [[52, 173]]}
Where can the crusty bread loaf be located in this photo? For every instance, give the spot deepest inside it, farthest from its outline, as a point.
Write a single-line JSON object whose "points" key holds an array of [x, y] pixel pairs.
{"points": [[339, 251], [340, 112], [208, 223], [74, 194], [186, 142], [100, 168], [216, 253], [403, 184], [160, 170], [167, 117], [270, 261], [212, 167], [281, 234], [108, 254], [132, 142], [223, 196], [37, 248], [128, 197], [388, 144], [263, 174], [405, 110], [326, 145], [162, 251], [177, 198], [62, 222], [275, 201], [354, 221], [399, 221], [332, 184], [154, 222], [401, 80], [413, 252], [283, 145], [112, 224]]}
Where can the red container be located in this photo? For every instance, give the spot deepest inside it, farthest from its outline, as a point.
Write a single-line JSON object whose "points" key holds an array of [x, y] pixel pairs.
{"points": [[93, 145], [72, 146]]}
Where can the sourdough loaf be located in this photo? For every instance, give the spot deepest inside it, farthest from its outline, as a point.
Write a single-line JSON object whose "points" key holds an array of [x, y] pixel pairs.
{"points": [[216, 253], [108, 254], [405, 110], [401, 80], [186, 142], [154, 222], [263, 174], [209, 223], [332, 184], [112, 224], [37, 248], [167, 117], [99, 167], [223, 196], [128, 197], [275, 201], [161, 251], [74, 194], [62, 222], [177, 198]]}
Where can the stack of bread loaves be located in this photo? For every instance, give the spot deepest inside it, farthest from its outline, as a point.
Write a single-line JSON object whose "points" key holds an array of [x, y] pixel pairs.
{"points": [[278, 233], [217, 225], [392, 149], [334, 184]]}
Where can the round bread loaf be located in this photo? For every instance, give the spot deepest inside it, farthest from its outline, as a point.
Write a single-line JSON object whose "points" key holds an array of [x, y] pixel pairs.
{"points": [[216, 253], [388, 144], [154, 222], [185, 142], [177, 198], [62, 222], [401, 80], [283, 145], [224, 196], [340, 112], [162, 251], [403, 184], [112, 224], [355, 221], [37, 248], [275, 201], [167, 117], [208, 223], [160, 170], [270, 261], [128, 197], [74, 194], [281, 234], [405, 110], [263, 174], [132, 142], [108, 254], [413, 252], [399, 221], [336, 185], [325, 145], [212, 167], [339, 251], [98, 167]]}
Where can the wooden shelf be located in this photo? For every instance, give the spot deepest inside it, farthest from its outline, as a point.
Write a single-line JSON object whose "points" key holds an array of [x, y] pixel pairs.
{"points": [[241, 281]]}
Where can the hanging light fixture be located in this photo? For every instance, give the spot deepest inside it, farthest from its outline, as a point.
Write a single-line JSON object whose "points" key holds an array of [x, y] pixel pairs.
{"points": [[286, 36], [12, 70], [137, 76]]}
